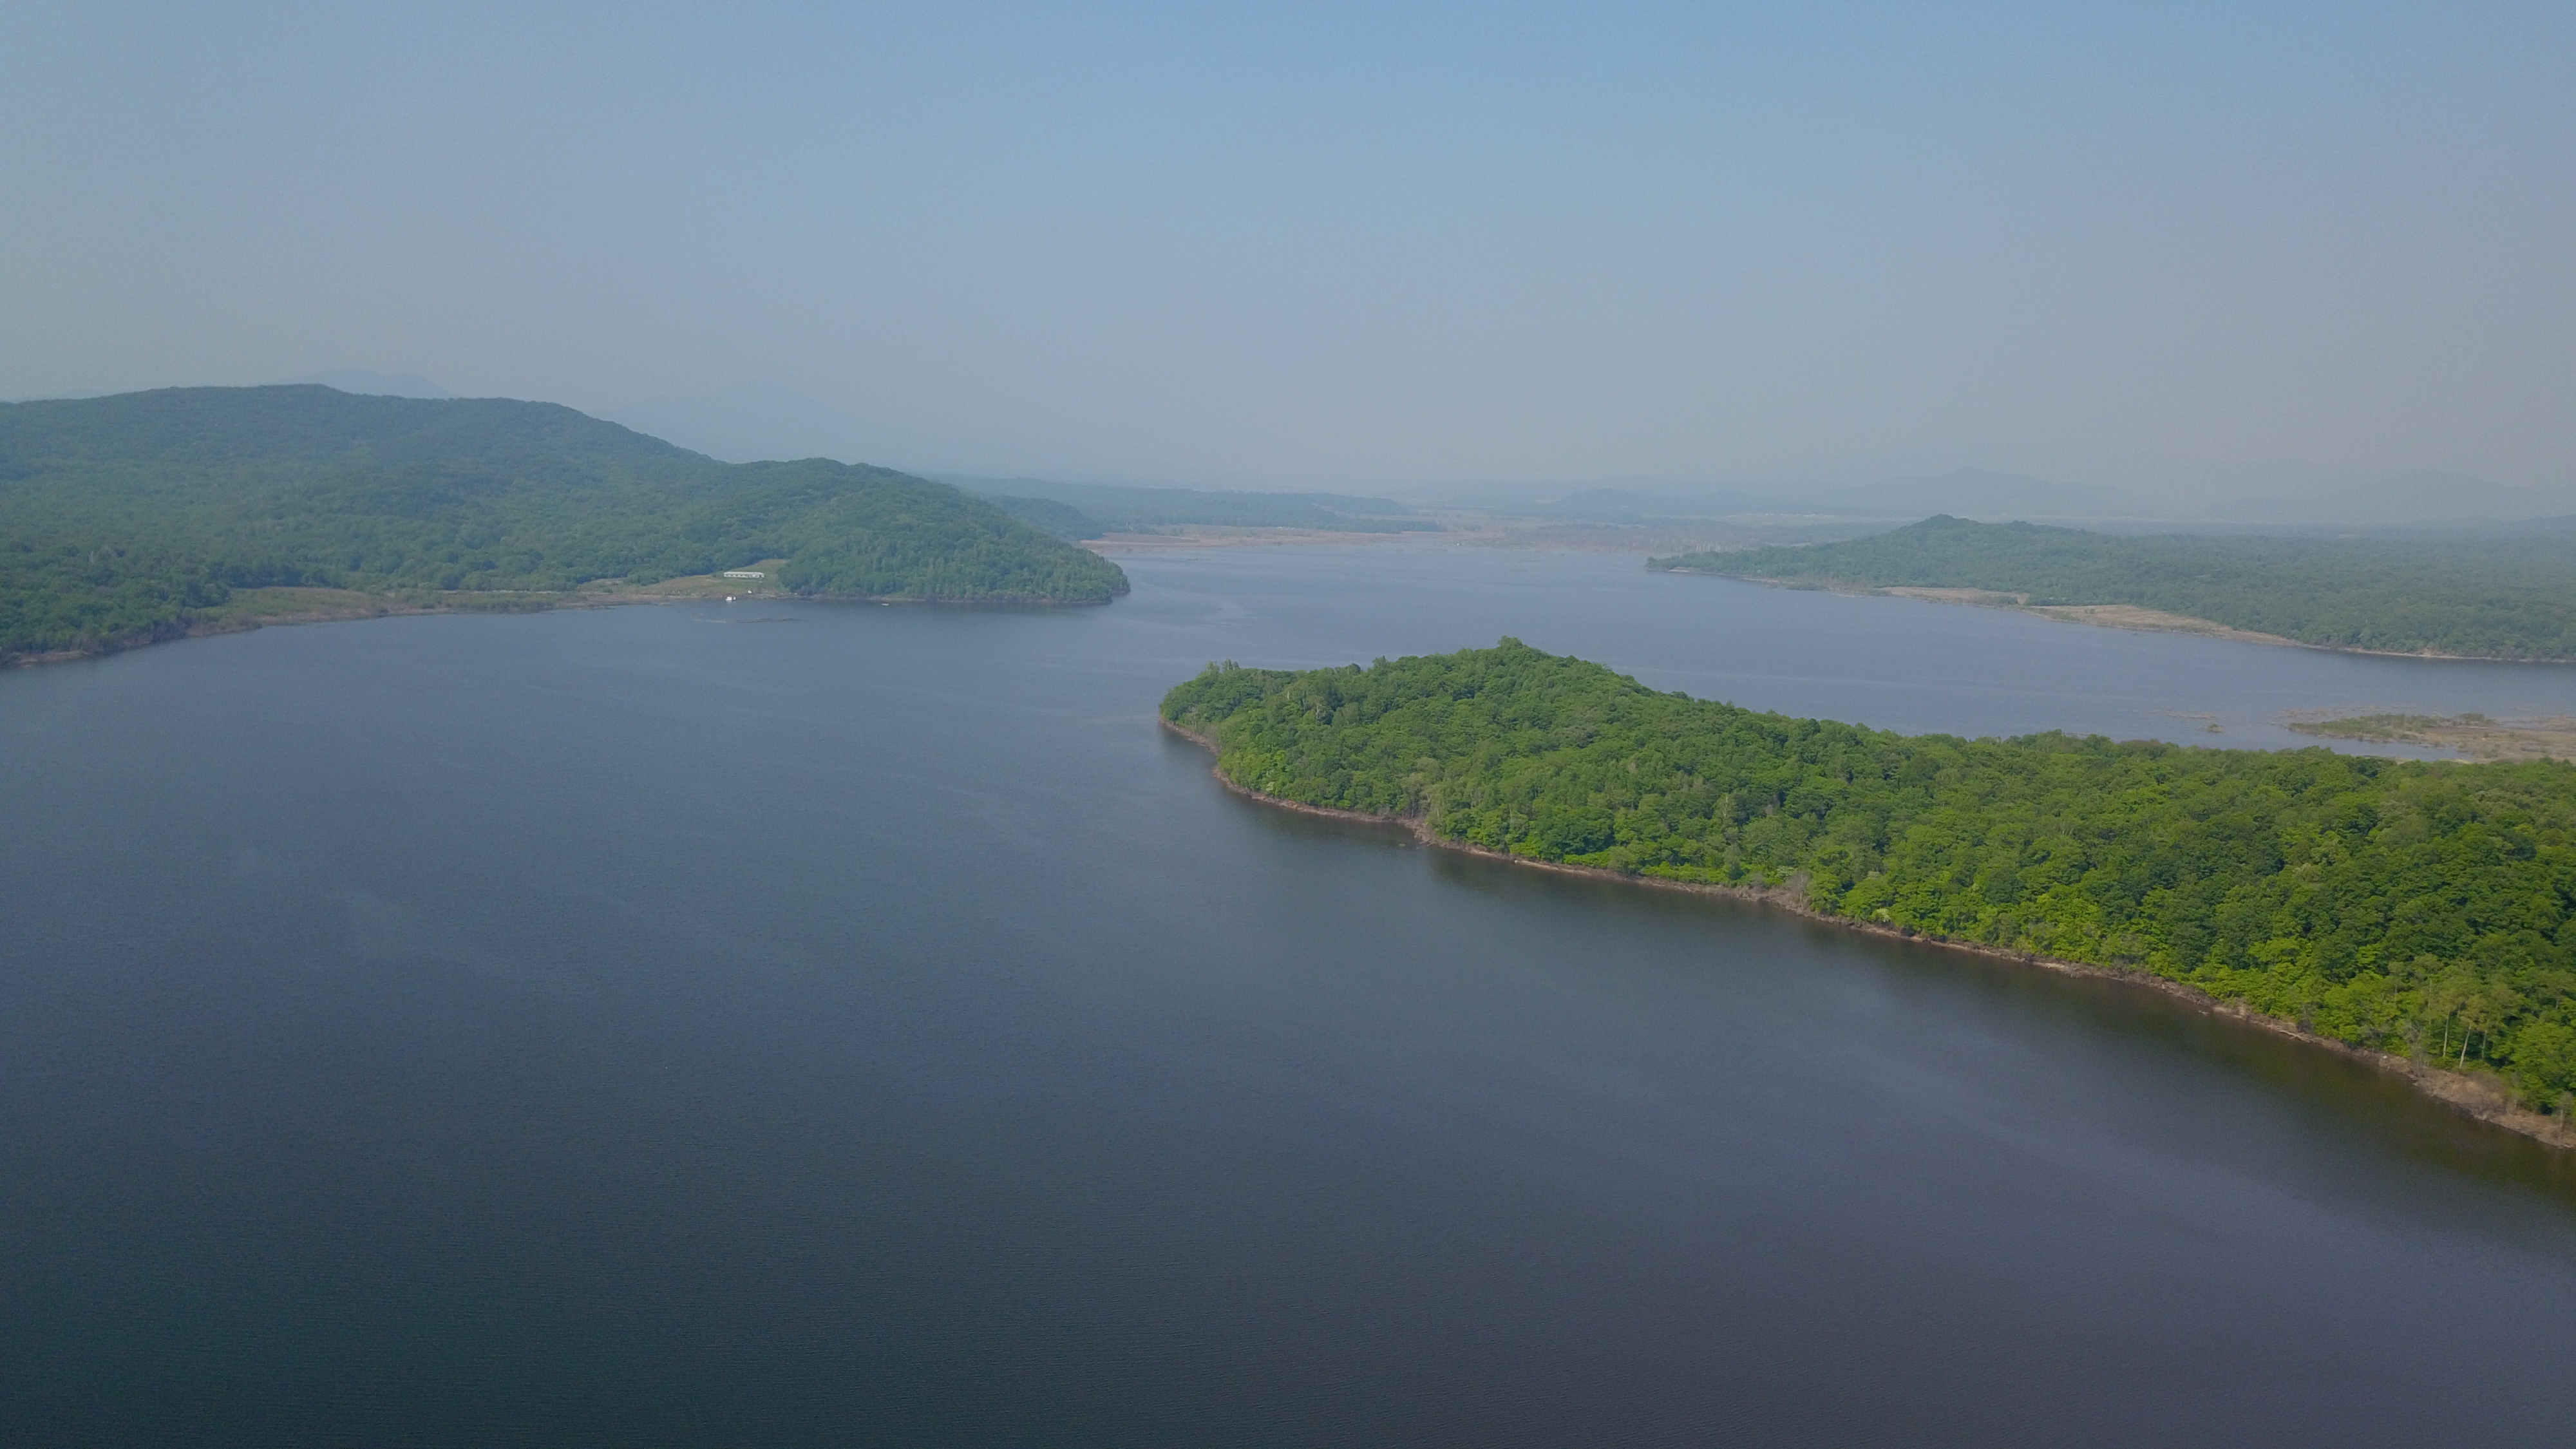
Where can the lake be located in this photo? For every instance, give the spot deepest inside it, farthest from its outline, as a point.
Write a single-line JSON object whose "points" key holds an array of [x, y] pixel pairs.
{"points": [[803, 1023]]}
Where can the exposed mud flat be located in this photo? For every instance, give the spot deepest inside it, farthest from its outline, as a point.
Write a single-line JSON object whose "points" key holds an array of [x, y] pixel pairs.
{"points": [[2474, 735]]}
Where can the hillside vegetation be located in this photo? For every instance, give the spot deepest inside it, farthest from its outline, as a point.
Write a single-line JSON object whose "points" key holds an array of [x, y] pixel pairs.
{"points": [[2424, 909], [2501, 598], [127, 518]]}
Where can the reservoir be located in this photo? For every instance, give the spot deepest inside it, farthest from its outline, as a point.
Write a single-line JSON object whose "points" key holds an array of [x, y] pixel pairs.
{"points": [[796, 1023]]}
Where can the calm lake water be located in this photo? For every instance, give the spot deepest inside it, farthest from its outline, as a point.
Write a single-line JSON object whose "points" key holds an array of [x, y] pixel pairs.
{"points": [[829, 1024]]}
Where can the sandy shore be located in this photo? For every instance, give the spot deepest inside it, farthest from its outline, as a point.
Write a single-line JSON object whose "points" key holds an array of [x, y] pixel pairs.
{"points": [[2484, 1099]]}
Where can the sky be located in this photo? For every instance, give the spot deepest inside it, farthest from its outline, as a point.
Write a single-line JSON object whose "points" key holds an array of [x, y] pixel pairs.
{"points": [[1369, 246]]}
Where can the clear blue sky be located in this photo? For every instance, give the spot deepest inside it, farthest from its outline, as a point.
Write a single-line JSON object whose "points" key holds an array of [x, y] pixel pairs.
{"points": [[1369, 245]]}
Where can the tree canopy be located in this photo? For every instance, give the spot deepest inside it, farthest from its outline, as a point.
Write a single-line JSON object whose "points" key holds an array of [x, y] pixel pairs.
{"points": [[2499, 598], [123, 517], [2416, 907]]}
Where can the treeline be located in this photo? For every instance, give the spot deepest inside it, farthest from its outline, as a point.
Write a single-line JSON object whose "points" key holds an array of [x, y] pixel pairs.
{"points": [[2501, 598], [124, 518], [59, 596], [2425, 909]]}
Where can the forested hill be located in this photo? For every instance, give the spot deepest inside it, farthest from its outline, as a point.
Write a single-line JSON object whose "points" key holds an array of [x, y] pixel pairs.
{"points": [[126, 518], [2425, 909], [2500, 598]]}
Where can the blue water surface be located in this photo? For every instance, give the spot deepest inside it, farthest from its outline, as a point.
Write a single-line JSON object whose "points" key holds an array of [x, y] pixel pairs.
{"points": [[825, 1024]]}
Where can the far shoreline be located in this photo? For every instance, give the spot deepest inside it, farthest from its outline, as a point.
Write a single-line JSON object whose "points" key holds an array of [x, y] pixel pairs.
{"points": [[2463, 1093], [353, 607], [2135, 618]]}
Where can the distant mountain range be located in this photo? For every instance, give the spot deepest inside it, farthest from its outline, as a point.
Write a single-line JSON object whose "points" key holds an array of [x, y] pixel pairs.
{"points": [[1088, 510], [1967, 493], [2400, 499], [760, 421], [2281, 499]]}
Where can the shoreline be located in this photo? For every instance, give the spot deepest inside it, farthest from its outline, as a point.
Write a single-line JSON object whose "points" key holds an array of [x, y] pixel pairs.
{"points": [[386, 606], [2135, 618], [2461, 1092]]}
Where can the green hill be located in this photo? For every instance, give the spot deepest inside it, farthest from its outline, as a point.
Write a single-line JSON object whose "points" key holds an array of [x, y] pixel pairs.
{"points": [[2424, 909], [2497, 597], [129, 518]]}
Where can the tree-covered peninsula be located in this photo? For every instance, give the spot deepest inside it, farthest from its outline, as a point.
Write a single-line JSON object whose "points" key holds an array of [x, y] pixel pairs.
{"points": [[2422, 909], [2489, 598], [129, 518]]}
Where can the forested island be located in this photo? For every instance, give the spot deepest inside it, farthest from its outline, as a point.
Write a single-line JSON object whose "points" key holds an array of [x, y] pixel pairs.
{"points": [[2424, 911], [2485, 598], [148, 515]]}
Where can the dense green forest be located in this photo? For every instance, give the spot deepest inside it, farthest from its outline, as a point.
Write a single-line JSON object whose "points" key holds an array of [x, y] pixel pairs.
{"points": [[124, 519], [2499, 597], [2426, 909], [1088, 510]]}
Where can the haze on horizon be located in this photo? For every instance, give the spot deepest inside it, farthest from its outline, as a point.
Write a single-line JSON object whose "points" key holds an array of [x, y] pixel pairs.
{"points": [[1353, 247]]}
